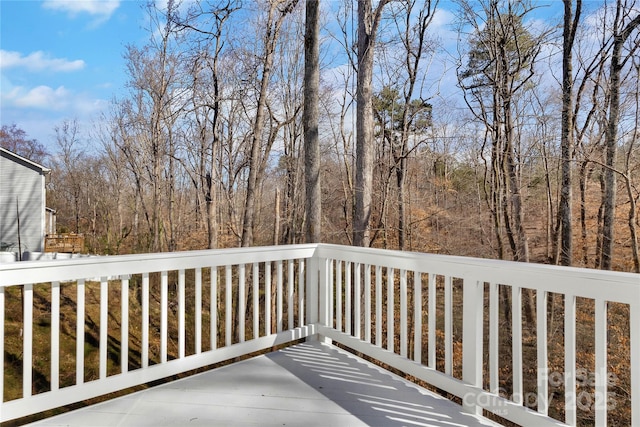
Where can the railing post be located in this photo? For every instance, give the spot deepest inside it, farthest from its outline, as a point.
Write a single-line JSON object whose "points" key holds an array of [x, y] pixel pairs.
{"points": [[318, 293], [313, 294], [472, 341]]}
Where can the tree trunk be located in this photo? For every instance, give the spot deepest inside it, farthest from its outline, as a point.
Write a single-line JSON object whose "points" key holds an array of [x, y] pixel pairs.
{"points": [[310, 122], [583, 212], [368, 21], [566, 194], [515, 193], [610, 184], [276, 213], [212, 217], [401, 175]]}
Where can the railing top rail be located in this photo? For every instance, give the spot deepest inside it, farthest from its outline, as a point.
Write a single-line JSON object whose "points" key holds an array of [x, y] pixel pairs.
{"points": [[583, 282], [17, 273], [589, 283]]}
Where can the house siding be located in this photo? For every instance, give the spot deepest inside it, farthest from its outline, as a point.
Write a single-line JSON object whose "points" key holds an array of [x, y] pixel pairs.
{"points": [[22, 190]]}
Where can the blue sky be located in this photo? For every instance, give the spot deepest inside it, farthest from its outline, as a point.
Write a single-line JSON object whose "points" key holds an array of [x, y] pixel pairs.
{"points": [[62, 60]]}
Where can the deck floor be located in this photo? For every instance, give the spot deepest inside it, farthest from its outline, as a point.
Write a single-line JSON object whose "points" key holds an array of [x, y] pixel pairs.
{"points": [[310, 384]]}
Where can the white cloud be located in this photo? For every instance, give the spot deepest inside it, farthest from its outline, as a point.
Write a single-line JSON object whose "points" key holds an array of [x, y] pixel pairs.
{"points": [[40, 97], [38, 61], [46, 98], [102, 8]]}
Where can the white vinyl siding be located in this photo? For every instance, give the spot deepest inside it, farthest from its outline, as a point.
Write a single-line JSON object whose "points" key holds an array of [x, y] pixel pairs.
{"points": [[22, 190]]}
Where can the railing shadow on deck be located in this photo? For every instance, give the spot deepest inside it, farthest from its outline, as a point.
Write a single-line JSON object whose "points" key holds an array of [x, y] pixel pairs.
{"points": [[362, 389], [466, 326]]}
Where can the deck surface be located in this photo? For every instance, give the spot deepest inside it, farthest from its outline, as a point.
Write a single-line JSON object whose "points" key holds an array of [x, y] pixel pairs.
{"points": [[309, 384]]}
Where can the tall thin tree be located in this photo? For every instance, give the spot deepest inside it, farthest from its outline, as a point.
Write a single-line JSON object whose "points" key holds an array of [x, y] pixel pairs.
{"points": [[571, 19], [368, 23], [310, 121]]}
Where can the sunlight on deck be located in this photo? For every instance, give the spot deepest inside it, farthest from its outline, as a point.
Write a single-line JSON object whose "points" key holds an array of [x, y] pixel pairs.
{"points": [[311, 384]]}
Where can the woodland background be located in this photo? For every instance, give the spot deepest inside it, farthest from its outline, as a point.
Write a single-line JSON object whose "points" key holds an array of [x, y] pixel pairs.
{"points": [[472, 153]]}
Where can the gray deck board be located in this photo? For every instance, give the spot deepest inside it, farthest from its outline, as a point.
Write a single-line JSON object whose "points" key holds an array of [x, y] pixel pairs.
{"points": [[309, 384]]}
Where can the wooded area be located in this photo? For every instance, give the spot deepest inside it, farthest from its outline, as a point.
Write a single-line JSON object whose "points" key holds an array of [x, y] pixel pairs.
{"points": [[520, 141]]}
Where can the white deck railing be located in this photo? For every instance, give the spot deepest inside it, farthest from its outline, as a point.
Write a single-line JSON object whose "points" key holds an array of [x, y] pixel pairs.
{"points": [[176, 312]]}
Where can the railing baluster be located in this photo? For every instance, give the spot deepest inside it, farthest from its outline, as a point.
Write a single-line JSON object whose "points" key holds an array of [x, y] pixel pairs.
{"points": [[228, 306], [367, 303], [27, 337], [494, 330], [339, 295], [124, 324], [181, 314], [431, 360], [390, 315], [347, 299], [331, 292], [541, 338], [600, 401], [313, 286], [403, 313], [145, 320], [213, 308], [325, 291], [448, 325], [279, 319], [255, 275], [80, 333], [357, 300], [301, 293], [198, 310], [242, 305], [55, 336], [164, 315], [417, 300], [290, 279], [570, 359], [267, 298], [104, 318], [379, 305], [516, 330]]}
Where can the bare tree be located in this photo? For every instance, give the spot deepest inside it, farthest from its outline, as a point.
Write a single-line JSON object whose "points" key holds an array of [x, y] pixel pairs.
{"points": [[207, 27], [621, 33], [278, 10], [70, 157], [497, 67], [16, 140], [286, 121], [341, 125], [368, 23], [571, 20], [149, 118], [413, 115]]}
